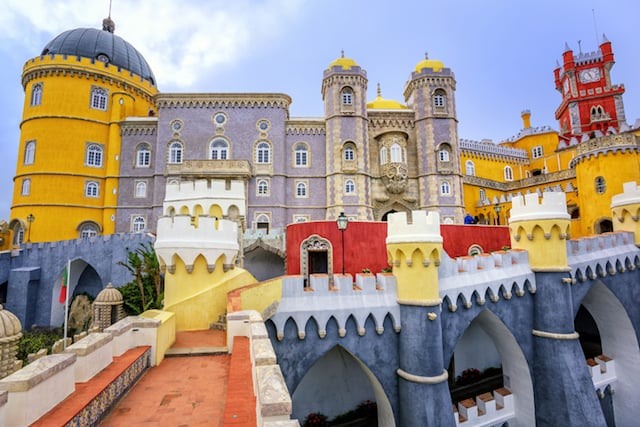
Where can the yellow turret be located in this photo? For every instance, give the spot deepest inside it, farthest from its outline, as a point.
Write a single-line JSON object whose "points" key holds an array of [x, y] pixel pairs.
{"points": [[542, 229], [414, 250], [526, 119], [625, 209]]}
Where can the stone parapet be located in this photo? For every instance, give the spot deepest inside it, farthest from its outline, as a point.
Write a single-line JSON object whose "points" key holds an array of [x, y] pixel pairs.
{"points": [[553, 205], [134, 331], [602, 255], [273, 396], [423, 227], [94, 353]]}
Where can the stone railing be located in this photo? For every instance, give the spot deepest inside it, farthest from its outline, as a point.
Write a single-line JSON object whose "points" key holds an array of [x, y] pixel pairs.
{"points": [[371, 295], [545, 178], [27, 394], [603, 372], [488, 275], [494, 149], [210, 168], [273, 400], [488, 409]]}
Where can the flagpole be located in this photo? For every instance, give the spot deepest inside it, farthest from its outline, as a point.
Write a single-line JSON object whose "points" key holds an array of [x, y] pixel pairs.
{"points": [[66, 305]]}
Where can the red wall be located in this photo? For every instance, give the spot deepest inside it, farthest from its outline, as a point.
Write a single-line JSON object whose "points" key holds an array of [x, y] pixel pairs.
{"points": [[364, 242]]}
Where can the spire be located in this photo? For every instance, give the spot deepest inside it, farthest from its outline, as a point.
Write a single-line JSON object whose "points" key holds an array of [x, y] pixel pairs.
{"points": [[566, 47], [342, 53], [426, 55], [604, 38], [107, 23], [379, 91]]}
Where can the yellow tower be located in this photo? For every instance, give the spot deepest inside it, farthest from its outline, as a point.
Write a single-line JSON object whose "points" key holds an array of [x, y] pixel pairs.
{"points": [[76, 93], [414, 249], [542, 229], [625, 209]]}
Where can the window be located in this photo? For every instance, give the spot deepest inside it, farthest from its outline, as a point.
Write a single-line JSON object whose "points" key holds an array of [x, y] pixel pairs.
{"points": [[508, 173], [29, 153], [347, 96], [445, 188], [263, 153], [219, 149], [138, 224], [88, 230], [301, 189], [91, 189], [483, 194], [443, 155], [397, 153], [301, 153], [141, 189], [99, 98], [143, 156], [300, 218], [94, 156], [262, 222], [349, 152], [536, 152], [175, 152], [601, 185], [469, 168], [26, 187], [349, 186], [36, 94], [263, 187], [383, 156], [439, 100]]}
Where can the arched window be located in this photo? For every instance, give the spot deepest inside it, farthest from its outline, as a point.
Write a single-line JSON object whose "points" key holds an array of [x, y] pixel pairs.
{"points": [[263, 187], [443, 154], [18, 233], [99, 98], [349, 152], [347, 96], [601, 185], [262, 222], [396, 153], [483, 194], [94, 155], [141, 189], [88, 230], [26, 187], [349, 186], [508, 173], [301, 154], [36, 94], [143, 156], [445, 188], [175, 152], [301, 189], [29, 153], [469, 168], [91, 189], [138, 224], [219, 149], [263, 153], [383, 156], [440, 100]]}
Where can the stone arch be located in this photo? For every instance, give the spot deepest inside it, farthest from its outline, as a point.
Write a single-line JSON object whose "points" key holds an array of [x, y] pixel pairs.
{"points": [[81, 278], [336, 383], [315, 243], [516, 371], [603, 225], [619, 341]]}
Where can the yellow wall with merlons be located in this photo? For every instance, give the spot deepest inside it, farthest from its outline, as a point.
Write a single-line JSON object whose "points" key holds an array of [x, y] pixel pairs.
{"points": [[166, 332], [261, 297], [416, 282], [545, 254]]}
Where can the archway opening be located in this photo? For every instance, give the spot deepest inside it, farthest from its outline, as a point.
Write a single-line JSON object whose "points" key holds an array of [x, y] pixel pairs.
{"points": [[586, 327], [82, 278], [386, 215], [604, 226]]}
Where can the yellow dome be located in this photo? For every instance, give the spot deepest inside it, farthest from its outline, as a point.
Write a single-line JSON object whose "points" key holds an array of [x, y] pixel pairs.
{"points": [[381, 103], [429, 63], [345, 63]]}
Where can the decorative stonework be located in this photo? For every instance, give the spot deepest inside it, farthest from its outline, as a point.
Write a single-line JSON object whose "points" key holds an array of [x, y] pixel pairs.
{"points": [[206, 168], [108, 307], [10, 334], [315, 243], [223, 100], [394, 176]]}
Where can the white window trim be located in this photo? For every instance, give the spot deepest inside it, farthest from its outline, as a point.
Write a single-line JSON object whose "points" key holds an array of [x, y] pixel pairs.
{"points": [[221, 153], [29, 153], [303, 153], [36, 95], [264, 151], [173, 144], [508, 173], [94, 157], [135, 189], [99, 98], [306, 189], [134, 223], [25, 188], [346, 187], [537, 152], [143, 147], [444, 184], [268, 184], [92, 184]]}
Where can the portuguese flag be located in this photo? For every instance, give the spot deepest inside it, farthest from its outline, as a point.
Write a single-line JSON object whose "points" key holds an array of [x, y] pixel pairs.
{"points": [[63, 285]]}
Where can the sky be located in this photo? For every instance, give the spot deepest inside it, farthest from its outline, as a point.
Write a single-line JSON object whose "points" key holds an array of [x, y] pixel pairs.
{"points": [[502, 52]]}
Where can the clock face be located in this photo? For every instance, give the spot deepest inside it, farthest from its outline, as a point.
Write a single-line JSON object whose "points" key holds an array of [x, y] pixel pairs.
{"points": [[590, 75]]}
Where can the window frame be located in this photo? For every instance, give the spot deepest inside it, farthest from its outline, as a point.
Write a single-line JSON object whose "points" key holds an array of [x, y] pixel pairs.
{"points": [[94, 157], [508, 173], [25, 187], [88, 230], [600, 185], [439, 100], [443, 155], [347, 96], [29, 153], [263, 187], [301, 155], [137, 193], [305, 189], [176, 149], [36, 95], [470, 168], [537, 152], [136, 220], [92, 189], [445, 188], [349, 187], [219, 149], [263, 153], [143, 155], [99, 98]]}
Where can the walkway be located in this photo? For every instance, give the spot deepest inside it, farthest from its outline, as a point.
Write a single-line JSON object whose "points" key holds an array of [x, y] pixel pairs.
{"points": [[182, 391]]}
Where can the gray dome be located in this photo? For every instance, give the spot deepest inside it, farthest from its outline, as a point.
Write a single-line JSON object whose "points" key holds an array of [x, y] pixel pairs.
{"points": [[101, 45], [109, 295]]}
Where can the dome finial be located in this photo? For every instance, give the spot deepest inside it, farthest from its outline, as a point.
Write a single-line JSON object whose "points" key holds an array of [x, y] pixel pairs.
{"points": [[426, 55], [107, 23], [341, 53], [379, 91]]}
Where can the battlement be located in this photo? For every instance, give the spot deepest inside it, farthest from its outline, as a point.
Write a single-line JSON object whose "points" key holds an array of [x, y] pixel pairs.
{"points": [[630, 195], [188, 239], [195, 197], [552, 205], [82, 245], [424, 227], [340, 302], [603, 255], [488, 147]]}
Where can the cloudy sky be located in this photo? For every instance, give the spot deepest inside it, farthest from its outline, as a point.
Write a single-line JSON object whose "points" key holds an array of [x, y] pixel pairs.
{"points": [[502, 52]]}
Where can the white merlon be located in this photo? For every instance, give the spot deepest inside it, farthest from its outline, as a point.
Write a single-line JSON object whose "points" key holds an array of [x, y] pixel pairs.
{"points": [[205, 194], [630, 195], [553, 205], [488, 409], [603, 371], [424, 227], [604, 254], [211, 238]]}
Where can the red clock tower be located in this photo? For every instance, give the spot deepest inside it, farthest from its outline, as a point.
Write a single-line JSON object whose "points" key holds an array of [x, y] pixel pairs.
{"points": [[590, 102]]}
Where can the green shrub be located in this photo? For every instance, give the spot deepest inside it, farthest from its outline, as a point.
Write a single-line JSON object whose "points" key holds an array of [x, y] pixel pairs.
{"points": [[36, 339]]}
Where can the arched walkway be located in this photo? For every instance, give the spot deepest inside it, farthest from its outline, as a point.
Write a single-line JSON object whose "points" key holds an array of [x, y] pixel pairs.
{"points": [[82, 278]]}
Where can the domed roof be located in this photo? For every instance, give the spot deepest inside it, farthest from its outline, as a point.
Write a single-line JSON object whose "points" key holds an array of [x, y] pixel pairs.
{"points": [[345, 63], [429, 63], [102, 45], [381, 103], [9, 324], [109, 295]]}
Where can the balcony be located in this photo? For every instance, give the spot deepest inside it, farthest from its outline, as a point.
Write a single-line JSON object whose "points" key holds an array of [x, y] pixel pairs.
{"points": [[210, 169]]}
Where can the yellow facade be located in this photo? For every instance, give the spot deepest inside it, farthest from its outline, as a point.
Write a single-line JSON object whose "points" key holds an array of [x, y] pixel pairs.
{"points": [[415, 266], [62, 125], [544, 240]]}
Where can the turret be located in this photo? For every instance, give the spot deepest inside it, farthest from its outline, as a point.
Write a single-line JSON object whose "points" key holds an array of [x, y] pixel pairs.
{"points": [[542, 229], [526, 119], [625, 210], [414, 249], [567, 58]]}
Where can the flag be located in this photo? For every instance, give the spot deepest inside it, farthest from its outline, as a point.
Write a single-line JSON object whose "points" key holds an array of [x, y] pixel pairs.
{"points": [[63, 286]]}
